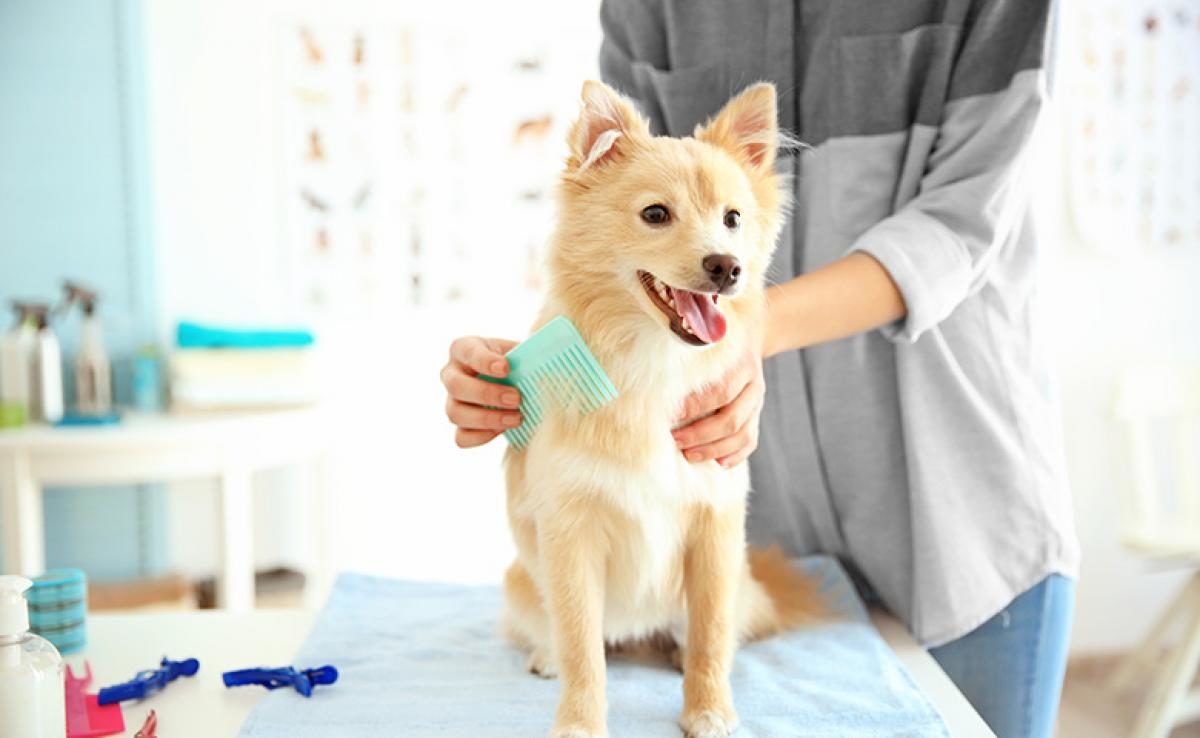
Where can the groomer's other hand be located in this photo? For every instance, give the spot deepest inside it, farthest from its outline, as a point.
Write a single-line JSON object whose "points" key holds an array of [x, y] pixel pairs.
{"points": [[470, 401], [721, 421]]}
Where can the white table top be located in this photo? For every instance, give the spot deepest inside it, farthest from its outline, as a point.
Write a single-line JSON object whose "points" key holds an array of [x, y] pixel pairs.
{"points": [[201, 706], [136, 428], [961, 718], [119, 646]]}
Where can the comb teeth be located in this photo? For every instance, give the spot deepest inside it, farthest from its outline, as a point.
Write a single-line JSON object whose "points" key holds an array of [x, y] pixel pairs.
{"points": [[554, 367]]}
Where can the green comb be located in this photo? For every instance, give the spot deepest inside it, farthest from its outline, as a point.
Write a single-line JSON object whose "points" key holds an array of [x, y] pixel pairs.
{"points": [[553, 365]]}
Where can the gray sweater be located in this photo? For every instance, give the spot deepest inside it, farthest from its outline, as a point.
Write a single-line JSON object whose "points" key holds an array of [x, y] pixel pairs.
{"points": [[926, 454]]}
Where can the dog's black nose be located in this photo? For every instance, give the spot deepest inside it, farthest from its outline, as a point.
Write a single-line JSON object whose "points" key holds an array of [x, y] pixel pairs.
{"points": [[722, 269]]}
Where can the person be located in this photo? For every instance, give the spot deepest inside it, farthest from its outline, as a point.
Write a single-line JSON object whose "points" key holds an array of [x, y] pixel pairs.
{"points": [[902, 405]]}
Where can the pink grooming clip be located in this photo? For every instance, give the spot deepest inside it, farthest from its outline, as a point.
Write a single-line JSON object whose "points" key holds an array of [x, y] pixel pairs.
{"points": [[149, 728], [87, 718]]}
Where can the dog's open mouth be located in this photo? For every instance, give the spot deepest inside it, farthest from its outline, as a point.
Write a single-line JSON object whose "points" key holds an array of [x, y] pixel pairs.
{"points": [[693, 316]]}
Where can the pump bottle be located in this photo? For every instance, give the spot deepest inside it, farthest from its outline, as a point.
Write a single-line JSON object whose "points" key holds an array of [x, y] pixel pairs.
{"points": [[32, 703]]}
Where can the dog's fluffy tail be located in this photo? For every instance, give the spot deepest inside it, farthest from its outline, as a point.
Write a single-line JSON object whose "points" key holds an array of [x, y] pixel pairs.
{"points": [[792, 598]]}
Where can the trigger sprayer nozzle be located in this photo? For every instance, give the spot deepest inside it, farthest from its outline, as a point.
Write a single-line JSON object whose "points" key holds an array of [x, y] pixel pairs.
{"points": [[76, 292]]}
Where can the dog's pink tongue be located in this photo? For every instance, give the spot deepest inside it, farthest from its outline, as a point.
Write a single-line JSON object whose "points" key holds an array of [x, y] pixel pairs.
{"points": [[703, 316]]}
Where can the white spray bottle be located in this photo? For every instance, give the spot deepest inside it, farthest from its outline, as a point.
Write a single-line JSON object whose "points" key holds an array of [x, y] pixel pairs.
{"points": [[32, 686], [93, 370], [47, 385], [17, 348]]}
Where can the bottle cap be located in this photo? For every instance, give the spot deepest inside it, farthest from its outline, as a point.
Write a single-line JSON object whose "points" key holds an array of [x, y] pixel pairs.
{"points": [[22, 311], [14, 611]]}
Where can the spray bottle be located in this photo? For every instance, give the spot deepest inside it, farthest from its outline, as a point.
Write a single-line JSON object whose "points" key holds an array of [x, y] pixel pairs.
{"points": [[32, 688], [17, 348], [93, 370], [46, 385]]}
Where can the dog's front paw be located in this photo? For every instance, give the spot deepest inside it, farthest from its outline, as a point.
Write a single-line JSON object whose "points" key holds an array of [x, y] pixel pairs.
{"points": [[576, 731], [542, 664], [709, 723]]}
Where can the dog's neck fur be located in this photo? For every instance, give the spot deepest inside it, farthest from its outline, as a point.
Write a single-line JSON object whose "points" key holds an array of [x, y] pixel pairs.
{"points": [[652, 369]]}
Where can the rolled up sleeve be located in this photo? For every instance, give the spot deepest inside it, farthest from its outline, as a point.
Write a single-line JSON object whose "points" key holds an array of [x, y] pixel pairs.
{"points": [[938, 246]]}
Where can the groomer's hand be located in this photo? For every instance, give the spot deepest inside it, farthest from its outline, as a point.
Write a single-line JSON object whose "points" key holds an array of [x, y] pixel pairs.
{"points": [[721, 421], [470, 401]]}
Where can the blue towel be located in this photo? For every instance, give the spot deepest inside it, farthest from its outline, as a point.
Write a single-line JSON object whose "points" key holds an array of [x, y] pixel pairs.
{"points": [[420, 659]]}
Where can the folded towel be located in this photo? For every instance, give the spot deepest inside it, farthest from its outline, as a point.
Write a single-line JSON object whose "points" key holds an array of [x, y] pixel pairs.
{"points": [[421, 659], [190, 335]]}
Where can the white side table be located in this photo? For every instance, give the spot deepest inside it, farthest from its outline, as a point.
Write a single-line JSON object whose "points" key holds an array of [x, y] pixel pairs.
{"points": [[161, 448]]}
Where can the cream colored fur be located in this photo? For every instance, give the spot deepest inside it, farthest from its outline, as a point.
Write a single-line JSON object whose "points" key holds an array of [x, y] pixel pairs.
{"points": [[619, 538]]}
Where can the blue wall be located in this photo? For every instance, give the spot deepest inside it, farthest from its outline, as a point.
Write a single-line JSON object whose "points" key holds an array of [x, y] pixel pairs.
{"points": [[75, 202]]}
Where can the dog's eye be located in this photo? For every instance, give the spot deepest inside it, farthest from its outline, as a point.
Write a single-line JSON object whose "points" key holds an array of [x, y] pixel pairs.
{"points": [[656, 214], [732, 219]]}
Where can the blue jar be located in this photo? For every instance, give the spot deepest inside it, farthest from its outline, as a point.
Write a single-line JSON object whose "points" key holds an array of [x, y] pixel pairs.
{"points": [[58, 608]]}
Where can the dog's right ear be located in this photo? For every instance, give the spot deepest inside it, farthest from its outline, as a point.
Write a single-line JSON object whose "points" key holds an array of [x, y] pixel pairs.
{"points": [[605, 118], [746, 127]]}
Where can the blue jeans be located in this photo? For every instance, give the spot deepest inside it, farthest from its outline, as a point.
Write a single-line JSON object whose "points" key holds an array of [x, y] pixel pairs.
{"points": [[1011, 668]]}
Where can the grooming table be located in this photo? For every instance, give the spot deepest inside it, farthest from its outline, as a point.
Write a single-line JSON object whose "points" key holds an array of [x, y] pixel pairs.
{"points": [[424, 659]]}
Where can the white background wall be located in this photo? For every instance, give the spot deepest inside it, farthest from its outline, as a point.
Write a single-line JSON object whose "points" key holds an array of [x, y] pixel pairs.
{"points": [[1111, 305], [411, 504], [1110, 313]]}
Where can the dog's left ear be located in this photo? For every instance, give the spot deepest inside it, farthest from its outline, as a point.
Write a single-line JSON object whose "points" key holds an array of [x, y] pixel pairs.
{"points": [[605, 118], [746, 127]]}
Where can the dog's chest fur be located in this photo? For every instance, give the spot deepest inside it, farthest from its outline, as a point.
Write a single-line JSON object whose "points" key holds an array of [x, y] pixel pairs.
{"points": [[622, 462]]}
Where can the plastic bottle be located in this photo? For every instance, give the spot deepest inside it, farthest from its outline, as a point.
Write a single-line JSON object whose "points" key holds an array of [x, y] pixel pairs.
{"points": [[93, 371], [32, 702], [16, 358], [147, 379], [47, 385]]}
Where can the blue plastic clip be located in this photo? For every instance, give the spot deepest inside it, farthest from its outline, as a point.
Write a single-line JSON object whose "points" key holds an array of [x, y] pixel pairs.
{"points": [[148, 682], [303, 681]]}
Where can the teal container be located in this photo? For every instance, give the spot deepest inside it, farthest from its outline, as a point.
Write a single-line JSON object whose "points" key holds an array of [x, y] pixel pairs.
{"points": [[58, 609], [147, 380]]}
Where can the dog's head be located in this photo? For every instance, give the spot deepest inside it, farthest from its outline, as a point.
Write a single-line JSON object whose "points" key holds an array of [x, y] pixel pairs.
{"points": [[678, 232]]}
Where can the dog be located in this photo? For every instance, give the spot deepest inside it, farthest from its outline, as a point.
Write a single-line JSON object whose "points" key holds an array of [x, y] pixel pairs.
{"points": [[658, 258]]}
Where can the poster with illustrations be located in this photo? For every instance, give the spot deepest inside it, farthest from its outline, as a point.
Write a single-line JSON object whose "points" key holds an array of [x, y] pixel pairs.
{"points": [[409, 178], [1134, 126]]}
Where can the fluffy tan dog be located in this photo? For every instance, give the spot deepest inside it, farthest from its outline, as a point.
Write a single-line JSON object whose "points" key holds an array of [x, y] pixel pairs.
{"points": [[658, 259]]}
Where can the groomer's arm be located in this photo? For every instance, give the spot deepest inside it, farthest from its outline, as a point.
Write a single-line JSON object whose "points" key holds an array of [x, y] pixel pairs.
{"points": [[923, 260], [849, 296], [908, 272]]}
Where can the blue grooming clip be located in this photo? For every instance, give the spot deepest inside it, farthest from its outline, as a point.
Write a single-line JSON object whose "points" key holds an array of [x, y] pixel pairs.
{"points": [[302, 681], [148, 682]]}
